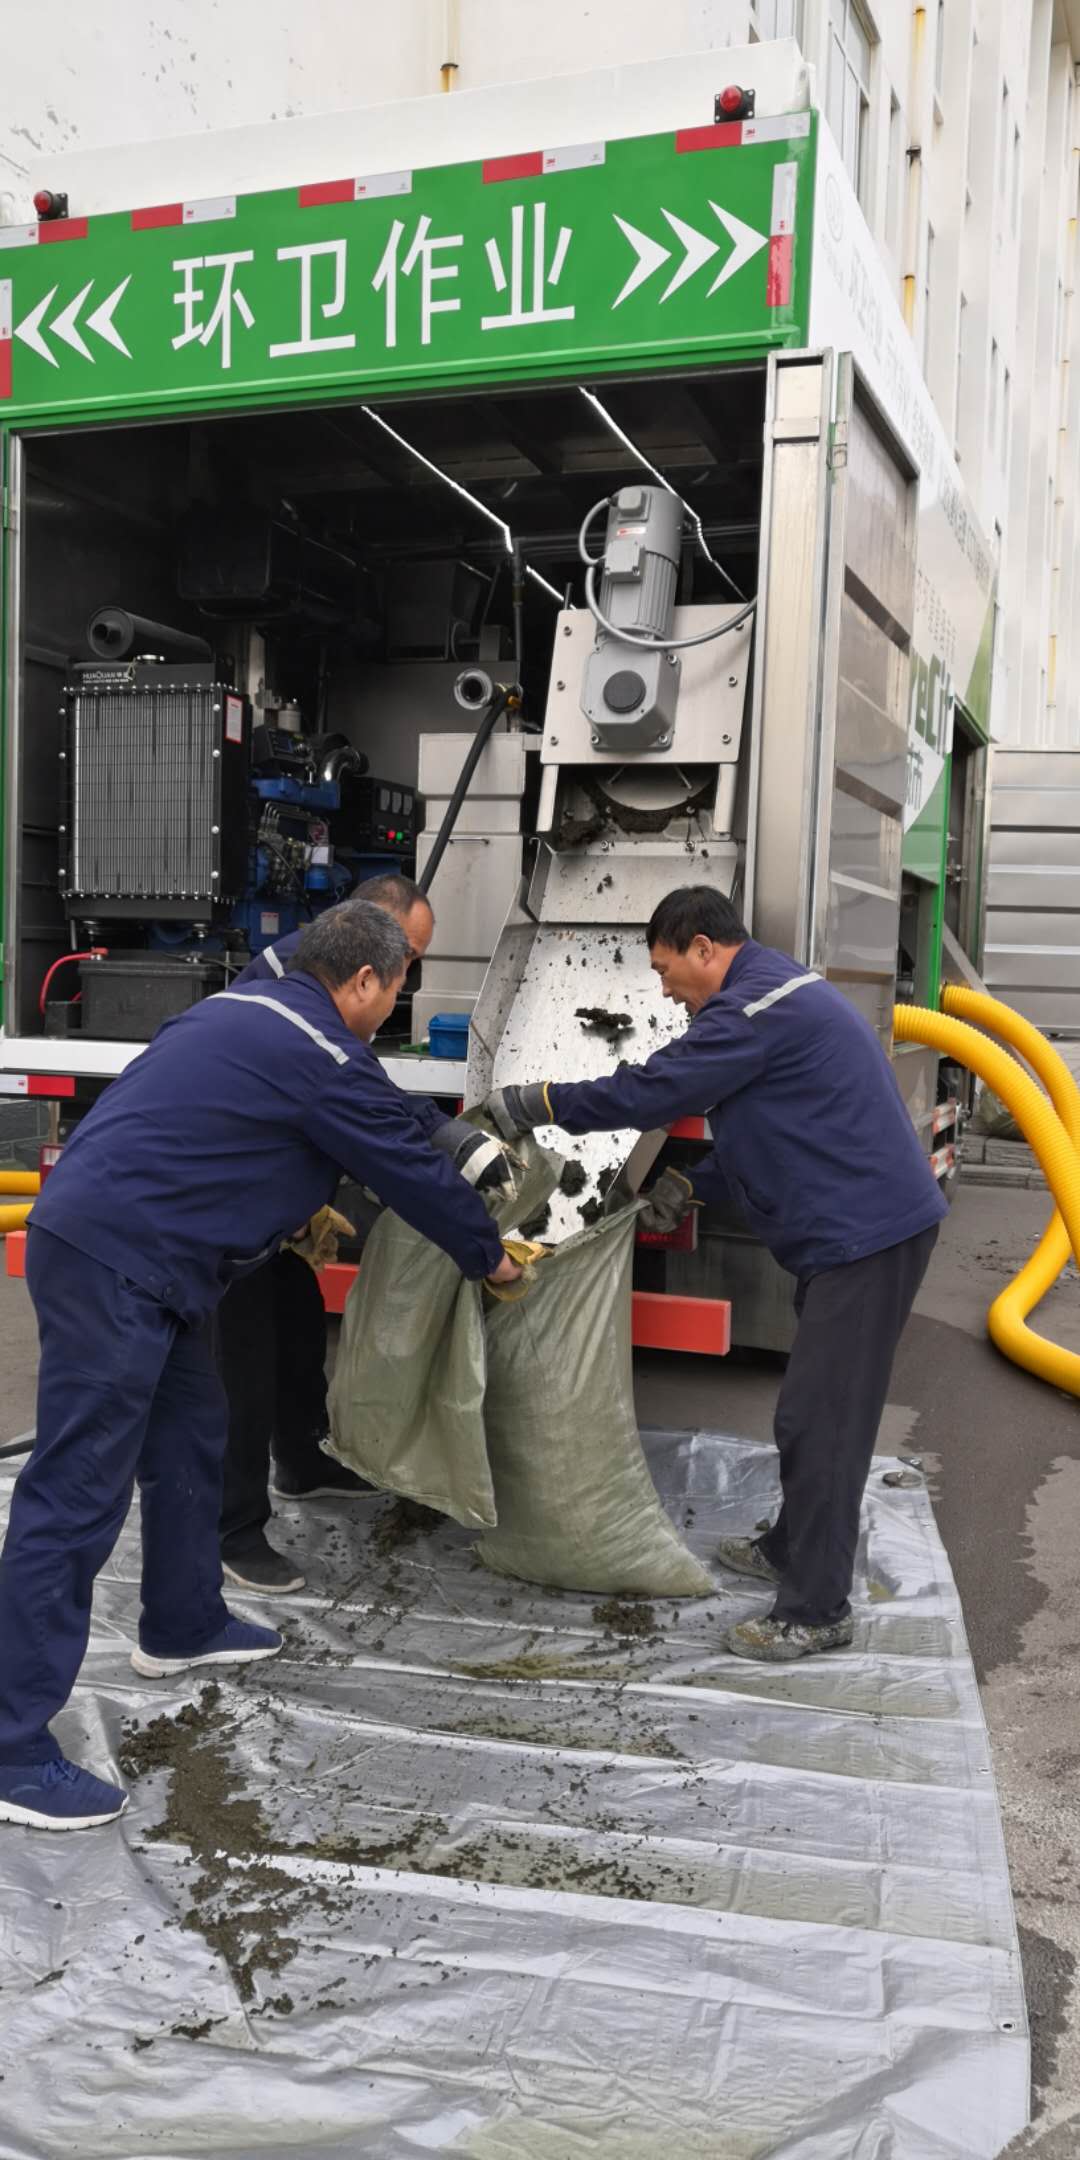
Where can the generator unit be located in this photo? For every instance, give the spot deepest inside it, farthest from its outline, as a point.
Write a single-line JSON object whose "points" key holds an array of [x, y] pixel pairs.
{"points": [[156, 765]]}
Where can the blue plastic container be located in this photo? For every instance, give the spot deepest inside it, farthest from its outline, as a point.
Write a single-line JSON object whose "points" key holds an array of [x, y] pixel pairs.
{"points": [[448, 1035]]}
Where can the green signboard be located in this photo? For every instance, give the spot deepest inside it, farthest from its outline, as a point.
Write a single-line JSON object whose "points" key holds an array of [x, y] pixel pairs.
{"points": [[614, 255]]}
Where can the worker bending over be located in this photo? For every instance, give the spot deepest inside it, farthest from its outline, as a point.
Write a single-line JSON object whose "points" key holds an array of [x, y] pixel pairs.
{"points": [[228, 1133], [270, 1329], [774, 1057]]}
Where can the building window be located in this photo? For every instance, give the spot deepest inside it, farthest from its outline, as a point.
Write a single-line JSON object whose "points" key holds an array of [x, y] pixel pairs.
{"points": [[779, 19], [939, 53], [848, 102], [895, 191]]}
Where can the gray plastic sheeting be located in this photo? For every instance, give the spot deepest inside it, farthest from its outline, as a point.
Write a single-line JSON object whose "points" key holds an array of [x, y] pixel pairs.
{"points": [[653, 1903]]}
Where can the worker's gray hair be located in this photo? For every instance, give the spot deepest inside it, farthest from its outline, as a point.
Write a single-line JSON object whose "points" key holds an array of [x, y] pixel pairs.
{"points": [[398, 895], [347, 938]]}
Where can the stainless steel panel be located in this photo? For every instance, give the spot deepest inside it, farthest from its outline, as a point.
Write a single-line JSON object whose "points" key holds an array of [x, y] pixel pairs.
{"points": [[464, 976], [531, 1030], [786, 711], [1033, 929], [472, 890], [1036, 807], [865, 843], [875, 1001], [916, 1076], [1017, 886], [871, 712], [879, 519], [863, 928], [1057, 968], [1033, 847], [712, 694], [626, 880], [1054, 1010], [1036, 769], [500, 771], [491, 814]]}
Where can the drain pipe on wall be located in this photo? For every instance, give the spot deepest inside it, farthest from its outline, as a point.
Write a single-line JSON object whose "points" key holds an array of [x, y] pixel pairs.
{"points": [[451, 43]]}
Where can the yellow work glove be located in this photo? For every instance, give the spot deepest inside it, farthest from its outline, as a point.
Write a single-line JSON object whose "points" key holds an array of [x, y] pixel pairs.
{"points": [[318, 1242]]}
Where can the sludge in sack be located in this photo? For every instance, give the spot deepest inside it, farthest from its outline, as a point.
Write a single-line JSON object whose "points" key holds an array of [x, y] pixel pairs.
{"points": [[516, 1413]]}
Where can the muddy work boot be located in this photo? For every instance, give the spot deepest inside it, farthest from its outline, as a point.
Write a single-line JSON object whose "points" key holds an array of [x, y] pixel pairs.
{"points": [[780, 1642], [743, 1556]]}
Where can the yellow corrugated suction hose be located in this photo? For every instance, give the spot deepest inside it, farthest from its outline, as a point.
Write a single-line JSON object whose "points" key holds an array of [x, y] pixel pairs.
{"points": [[13, 1218], [1052, 1130], [20, 1181], [1007, 1319]]}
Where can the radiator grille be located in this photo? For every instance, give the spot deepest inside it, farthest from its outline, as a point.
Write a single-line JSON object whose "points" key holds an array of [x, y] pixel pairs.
{"points": [[143, 792]]}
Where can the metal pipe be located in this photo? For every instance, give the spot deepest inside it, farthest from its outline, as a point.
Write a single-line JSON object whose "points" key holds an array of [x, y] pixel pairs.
{"points": [[113, 634], [498, 701]]}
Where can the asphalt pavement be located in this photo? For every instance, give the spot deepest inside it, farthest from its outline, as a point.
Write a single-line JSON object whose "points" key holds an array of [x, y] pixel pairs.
{"points": [[1002, 1453]]}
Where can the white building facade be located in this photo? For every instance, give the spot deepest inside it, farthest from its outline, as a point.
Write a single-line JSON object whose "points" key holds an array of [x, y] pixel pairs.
{"points": [[959, 122]]}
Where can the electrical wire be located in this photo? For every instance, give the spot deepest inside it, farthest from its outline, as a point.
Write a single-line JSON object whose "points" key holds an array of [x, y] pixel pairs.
{"points": [[625, 634], [628, 444], [474, 501]]}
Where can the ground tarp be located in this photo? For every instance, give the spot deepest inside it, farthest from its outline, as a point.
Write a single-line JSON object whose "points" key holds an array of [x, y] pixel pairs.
{"points": [[497, 1872]]}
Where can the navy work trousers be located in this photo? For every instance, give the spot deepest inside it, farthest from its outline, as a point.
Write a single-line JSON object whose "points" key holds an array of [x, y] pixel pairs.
{"points": [[126, 1393], [270, 1340], [827, 1416]]}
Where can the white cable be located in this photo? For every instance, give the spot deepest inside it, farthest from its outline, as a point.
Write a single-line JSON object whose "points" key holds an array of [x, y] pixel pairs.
{"points": [[474, 500], [699, 530]]}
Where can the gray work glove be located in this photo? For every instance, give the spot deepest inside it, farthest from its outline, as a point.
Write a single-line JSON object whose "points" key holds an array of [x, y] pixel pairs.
{"points": [[481, 1159], [666, 1203], [517, 1110]]}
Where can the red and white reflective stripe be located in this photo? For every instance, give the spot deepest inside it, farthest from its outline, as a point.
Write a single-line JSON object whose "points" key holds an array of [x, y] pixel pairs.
{"points": [[782, 236], [211, 210], [533, 164], [5, 337], [35, 1084], [734, 134], [943, 1161], [945, 1114], [65, 228], [368, 188]]}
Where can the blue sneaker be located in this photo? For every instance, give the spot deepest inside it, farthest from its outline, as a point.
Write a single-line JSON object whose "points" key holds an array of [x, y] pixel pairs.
{"points": [[239, 1643], [57, 1795]]}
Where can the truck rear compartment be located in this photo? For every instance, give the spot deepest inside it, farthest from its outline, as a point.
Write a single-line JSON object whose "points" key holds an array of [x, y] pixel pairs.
{"points": [[383, 578]]}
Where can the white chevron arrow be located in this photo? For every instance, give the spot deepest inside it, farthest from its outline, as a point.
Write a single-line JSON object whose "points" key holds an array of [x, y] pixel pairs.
{"points": [[102, 319], [748, 242], [29, 330], [649, 254], [65, 326], [698, 247]]}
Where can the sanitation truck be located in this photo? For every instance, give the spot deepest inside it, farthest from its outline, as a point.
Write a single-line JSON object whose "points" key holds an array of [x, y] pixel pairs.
{"points": [[579, 411]]}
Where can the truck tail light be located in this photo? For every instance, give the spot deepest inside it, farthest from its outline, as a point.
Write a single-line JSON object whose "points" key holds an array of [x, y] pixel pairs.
{"points": [[733, 103], [49, 205]]}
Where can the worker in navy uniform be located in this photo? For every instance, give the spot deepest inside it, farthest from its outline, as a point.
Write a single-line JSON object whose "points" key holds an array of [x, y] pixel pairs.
{"points": [[270, 1330], [227, 1133], [845, 1199]]}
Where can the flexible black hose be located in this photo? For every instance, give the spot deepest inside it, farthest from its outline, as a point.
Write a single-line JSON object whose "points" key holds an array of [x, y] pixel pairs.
{"points": [[493, 711]]}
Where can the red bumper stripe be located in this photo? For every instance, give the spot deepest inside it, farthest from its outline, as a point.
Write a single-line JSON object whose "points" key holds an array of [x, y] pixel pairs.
{"points": [[781, 262], [326, 191], [659, 1322], [65, 228], [15, 1252], [5, 368], [726, 135], [159, 214], [529, 166]]}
